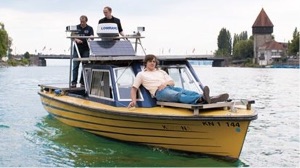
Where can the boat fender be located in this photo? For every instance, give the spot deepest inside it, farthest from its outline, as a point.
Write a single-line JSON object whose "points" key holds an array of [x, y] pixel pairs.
{"points": [[57, 92]]}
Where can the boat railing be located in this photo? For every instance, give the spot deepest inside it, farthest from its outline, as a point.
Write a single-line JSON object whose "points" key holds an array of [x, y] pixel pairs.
{"points": [[232, 105], [137, 40], [97, 54]]}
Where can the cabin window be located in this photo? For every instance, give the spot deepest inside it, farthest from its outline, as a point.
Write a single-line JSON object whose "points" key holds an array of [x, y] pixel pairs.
{"points": [[124, 78], [101, 84], [183, 78], [87, 78]]}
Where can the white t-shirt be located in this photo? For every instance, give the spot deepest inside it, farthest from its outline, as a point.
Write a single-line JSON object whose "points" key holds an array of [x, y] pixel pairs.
{"points": [[151, 80]]}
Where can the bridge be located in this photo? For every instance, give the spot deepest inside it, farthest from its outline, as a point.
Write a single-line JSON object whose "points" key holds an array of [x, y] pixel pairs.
{"points": [[59, 56], [40, 60], [216, 61]]}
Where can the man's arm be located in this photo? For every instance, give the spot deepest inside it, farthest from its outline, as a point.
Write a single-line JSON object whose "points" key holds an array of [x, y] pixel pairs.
{"points": [[91, 33], [133, 97], [75, 39], [169, 83], [122, 33]]}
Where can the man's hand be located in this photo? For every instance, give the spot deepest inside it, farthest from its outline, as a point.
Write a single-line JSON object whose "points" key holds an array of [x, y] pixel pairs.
{"points": [[131, 104], [78, 41], [162, 86]]}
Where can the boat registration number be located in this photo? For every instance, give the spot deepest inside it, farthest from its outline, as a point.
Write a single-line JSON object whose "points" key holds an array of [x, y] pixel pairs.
{"points": [[228, 124]]}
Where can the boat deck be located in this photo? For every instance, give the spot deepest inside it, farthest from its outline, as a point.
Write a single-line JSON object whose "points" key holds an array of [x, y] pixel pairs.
{"points": [[197, 107], [63, 89]]}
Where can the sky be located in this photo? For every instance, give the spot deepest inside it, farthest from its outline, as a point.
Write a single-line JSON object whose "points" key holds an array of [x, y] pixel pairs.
{"points": [[171, 26]]}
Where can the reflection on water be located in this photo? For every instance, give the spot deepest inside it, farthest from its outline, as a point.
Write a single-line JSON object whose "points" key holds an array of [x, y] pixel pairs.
{"points": [[61, 145], [66, 146], [31, 137]]}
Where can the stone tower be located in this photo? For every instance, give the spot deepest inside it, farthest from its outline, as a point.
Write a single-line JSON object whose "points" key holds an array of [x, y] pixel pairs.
{"points": [[262, 30]]}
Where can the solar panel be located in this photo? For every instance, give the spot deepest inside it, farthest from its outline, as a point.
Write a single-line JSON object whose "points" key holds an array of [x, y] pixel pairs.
{"points": [[111, 48]]}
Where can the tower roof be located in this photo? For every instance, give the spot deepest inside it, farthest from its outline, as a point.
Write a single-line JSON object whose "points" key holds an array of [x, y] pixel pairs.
{"points": [[263, 20]]}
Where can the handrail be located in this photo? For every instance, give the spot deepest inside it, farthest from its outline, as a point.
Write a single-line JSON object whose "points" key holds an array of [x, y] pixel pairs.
{"points": [[137, 38], [97, 37]]}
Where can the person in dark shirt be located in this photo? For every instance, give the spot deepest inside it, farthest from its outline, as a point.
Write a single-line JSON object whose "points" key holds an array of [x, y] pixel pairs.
{"points": [[83, 48], [109, 18]]}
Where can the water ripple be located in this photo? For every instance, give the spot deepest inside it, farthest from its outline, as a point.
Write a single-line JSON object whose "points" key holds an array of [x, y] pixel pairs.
{"points": [[32, 138]]}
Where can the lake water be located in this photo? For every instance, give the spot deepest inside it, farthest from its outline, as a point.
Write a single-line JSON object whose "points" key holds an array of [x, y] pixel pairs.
{"points": [[29, 136]]}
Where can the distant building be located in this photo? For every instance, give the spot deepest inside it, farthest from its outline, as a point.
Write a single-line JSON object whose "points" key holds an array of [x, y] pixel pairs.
{"points": [[271, 51], [5, 59], [266, 49]]}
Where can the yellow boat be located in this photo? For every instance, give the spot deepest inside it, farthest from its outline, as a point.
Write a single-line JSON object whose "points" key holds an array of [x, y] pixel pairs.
{"points": [[100, 107]]}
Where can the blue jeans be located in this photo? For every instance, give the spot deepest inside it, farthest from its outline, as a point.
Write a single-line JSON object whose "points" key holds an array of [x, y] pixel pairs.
{"points": [[76, 64], [176, 94]]}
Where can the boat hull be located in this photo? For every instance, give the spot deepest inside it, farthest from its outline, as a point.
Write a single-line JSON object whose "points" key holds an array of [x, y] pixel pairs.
{"points": [[208, 134]]}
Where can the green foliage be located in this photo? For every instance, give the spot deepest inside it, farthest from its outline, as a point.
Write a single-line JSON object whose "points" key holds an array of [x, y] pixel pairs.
{"points": [[22, 62], [293, 46], [243, 49], [27, 55], [3, 40], [251, 38], [224, 43], [249, 63], [222, 53], [238, 37], [12, 62]]}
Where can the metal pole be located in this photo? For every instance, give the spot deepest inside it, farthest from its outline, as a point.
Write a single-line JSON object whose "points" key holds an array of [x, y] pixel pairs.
{"points": [[71, 61], [135, 47]]}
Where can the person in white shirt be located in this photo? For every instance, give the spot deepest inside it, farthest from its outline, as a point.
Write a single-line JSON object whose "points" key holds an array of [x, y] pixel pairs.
{"points": [[161, 86]]}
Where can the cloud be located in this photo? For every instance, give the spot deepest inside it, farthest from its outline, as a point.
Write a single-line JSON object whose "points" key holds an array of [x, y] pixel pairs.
{"points": [[170, 24], [31, 31]]}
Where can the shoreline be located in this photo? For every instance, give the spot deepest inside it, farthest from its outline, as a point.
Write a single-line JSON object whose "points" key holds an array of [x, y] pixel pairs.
{"points": [[293, 66], [3, 64]]}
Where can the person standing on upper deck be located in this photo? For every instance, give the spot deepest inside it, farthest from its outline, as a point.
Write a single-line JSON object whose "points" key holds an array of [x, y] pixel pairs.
{"points": [[109, 18], [83, 47]]}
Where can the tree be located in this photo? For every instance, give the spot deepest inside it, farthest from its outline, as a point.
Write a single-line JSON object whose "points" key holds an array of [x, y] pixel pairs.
{"points": [[224, 43], [3, 40], [27, 55], [243, 49], [293, 46], [238, 37]]}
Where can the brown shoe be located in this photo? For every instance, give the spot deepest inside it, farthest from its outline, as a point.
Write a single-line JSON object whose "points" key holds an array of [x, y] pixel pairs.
{"points": [[219, 98], [205, 95]]}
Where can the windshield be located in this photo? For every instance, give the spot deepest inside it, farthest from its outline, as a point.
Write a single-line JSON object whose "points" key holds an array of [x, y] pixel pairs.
{"points": [[183, 78]]}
